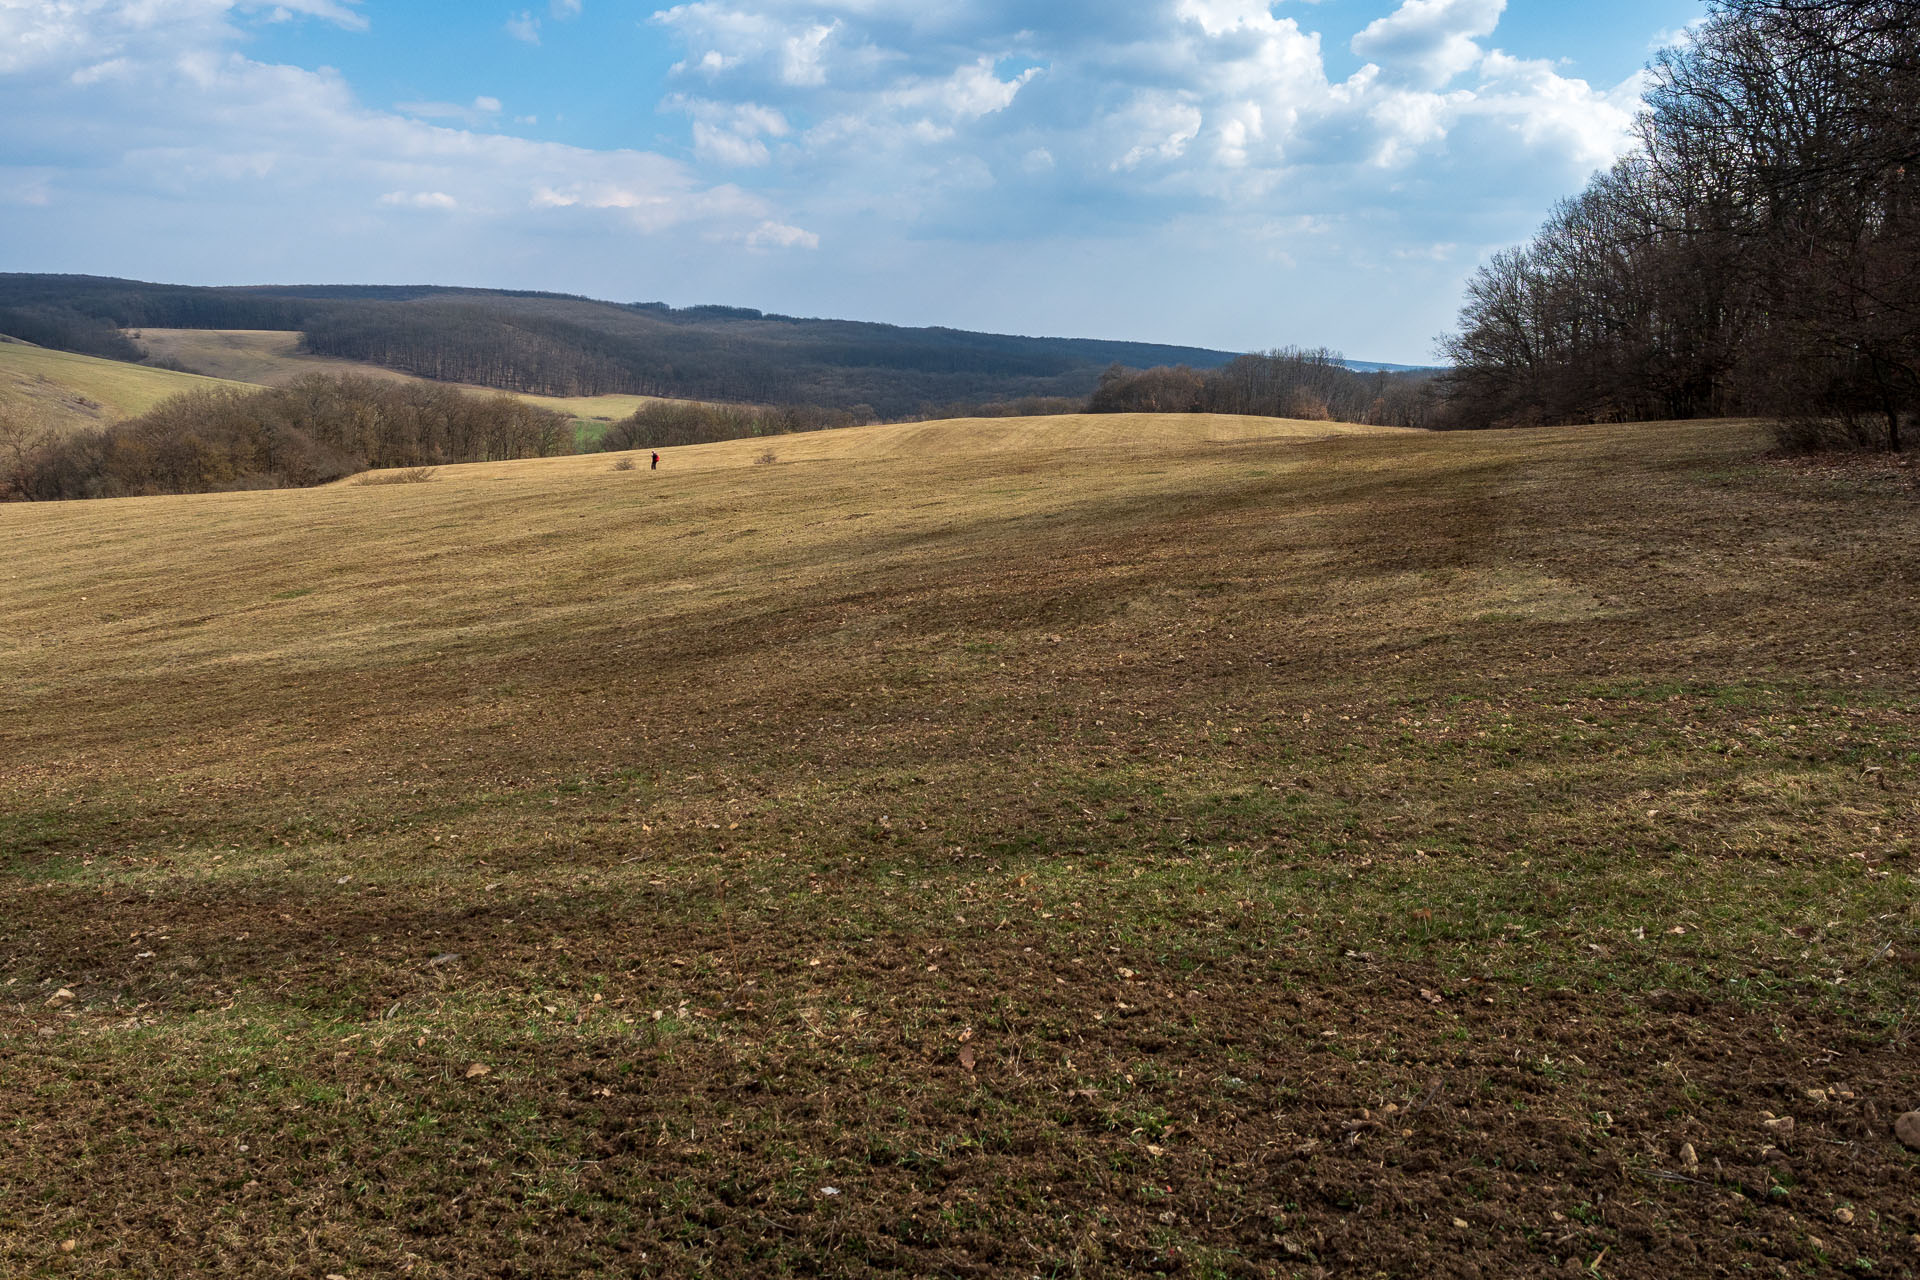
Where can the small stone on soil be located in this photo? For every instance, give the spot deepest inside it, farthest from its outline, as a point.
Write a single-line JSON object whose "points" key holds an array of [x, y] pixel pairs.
{"points": [[1907, 1129]]}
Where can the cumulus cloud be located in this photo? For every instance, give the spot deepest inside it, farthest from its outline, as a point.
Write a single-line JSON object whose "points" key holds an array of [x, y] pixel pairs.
{"points": [[1429, 42], [1551, 113], [1216, 99], [732, 134]]}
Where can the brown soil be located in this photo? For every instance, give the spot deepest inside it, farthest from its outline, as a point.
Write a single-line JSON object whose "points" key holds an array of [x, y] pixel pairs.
{"points": [[1407, 856]]}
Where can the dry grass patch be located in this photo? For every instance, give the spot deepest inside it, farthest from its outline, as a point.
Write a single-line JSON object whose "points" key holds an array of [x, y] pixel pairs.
{"points": [[401, 475]]}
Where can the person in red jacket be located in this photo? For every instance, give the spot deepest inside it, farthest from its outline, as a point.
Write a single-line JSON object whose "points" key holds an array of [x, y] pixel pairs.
{"points": [[656, 461]]}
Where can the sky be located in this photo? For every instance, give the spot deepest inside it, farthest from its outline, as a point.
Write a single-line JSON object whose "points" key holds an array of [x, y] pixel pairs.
{"points": [[1222, 173]]}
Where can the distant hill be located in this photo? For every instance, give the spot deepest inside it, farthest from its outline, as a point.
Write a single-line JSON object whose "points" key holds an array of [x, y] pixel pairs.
{"points": [[562, 345], [65, 390]]}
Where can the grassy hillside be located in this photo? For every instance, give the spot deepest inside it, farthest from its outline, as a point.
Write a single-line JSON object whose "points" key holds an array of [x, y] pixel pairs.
{"points": [[1282, 851], [69, 391], [263, 357]]}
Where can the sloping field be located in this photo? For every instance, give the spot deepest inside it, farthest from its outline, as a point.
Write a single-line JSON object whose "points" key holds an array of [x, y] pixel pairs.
{"points": [[1312, 853], [1058, 440], [263, 357], [66, 391], [272, 358]]}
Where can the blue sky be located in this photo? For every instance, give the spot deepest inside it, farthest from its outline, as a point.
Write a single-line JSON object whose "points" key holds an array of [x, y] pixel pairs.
{"points": [[1227, 173]]}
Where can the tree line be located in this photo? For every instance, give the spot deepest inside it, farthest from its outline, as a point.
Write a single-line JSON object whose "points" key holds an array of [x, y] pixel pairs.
{"points": [[1758, 252], [1290, 382], [316, 430], [64, 329], [664, 424]]}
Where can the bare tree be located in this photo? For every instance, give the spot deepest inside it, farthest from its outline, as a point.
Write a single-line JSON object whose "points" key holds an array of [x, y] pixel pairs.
{"points": [[1759, 252], [22, 437]]}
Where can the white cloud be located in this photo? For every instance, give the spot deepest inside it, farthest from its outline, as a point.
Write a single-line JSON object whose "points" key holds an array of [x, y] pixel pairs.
{"points": [[82, 33], [1222, 100], [31, 186], [341, 14], [776, 235], [1550, 113], [970, 92], [1429, 42], [478, 112], [732, 134], [802, 55], [1674, 37], [420, 200], [524, 27], [562, 10], [1165, 124]]}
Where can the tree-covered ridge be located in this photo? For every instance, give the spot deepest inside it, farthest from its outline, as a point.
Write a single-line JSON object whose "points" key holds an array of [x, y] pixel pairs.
{"points": [[558, 344]]}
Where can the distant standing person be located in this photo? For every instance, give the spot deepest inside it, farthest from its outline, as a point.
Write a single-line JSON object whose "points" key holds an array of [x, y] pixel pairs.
{"points": [[656, 461]]}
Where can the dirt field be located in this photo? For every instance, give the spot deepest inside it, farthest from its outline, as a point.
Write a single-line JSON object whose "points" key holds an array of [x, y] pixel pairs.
{"points": [[1108, 848]]}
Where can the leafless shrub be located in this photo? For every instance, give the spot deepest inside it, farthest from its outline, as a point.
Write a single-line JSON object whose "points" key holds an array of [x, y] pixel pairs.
{"points": [[766, 456], [623, 464]]}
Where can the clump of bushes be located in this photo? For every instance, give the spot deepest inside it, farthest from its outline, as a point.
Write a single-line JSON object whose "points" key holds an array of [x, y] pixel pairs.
{"points": [[317, 430]]}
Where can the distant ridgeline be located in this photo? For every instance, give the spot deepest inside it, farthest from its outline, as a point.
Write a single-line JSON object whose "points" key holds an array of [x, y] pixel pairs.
{"points": [[554, 344]]}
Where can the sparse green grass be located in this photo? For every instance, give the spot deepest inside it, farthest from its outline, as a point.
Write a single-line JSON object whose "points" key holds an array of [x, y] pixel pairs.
{"points": [[1089, 848], [66, 392]]}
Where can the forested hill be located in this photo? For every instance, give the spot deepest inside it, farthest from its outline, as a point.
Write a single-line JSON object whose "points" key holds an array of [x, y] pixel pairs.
{"points": [[556, 344]]}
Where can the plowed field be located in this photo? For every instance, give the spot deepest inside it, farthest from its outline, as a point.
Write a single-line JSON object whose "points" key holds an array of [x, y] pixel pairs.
{"points": [[1075, 849]]}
